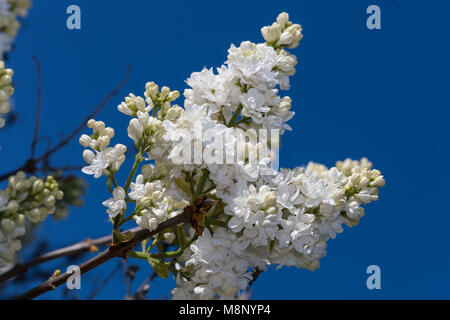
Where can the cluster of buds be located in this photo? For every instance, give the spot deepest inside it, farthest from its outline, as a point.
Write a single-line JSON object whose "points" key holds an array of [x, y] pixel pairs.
{"points": [[31, 197], [361, 187], [73, 188], [10, 10], [348, 164], [160, 101], [145, 129], [6, 90], [24, 199], [282, 33], [132, 105], [100, 138], [356, 184]]}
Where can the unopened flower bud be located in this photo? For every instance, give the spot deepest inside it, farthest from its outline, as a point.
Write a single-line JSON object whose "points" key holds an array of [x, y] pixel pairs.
{"points": [[109, 132], [378, 182], [147, 170], [99, 126], [34, 215], [165, 92], [174, 95], [85, 140], [38, 186], [88, 156], [169, 237], [12, 206], [49, 201], [283, 18], [91, 123], [7, 225]]}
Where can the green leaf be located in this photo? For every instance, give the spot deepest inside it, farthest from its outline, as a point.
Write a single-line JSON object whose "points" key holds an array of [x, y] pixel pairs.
{"points": [[144, 245], [218, 209], [120, 237], [183, 185], [160, 267]]}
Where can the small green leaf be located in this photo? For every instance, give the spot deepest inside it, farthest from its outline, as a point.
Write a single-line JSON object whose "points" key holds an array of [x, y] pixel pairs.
{"points": [[160, 267], [183, 185], [120, 237]]}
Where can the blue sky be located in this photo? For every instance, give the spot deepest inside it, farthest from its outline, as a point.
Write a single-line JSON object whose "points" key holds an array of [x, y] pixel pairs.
{"points": [[382, 94]]}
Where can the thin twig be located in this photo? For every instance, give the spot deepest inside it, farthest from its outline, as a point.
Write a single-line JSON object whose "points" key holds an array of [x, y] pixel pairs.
{"points": [[103, 284], [247, 294], [142, 291], [120, 250], [255, 275], [130, 275], [75, 249], [30, 164], [63, 168], [38, 106], [102, 104]]}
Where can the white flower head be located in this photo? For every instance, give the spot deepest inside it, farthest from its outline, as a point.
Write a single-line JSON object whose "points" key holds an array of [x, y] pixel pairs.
{"points": [[97, 164], [116, 204]]}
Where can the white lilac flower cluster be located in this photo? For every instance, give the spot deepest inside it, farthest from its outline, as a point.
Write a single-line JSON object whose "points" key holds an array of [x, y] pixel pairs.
{"points": [[10, 10], [23, 199], [153, 203], [248, 215], [6, 91], [284, 221], [249, 81]]}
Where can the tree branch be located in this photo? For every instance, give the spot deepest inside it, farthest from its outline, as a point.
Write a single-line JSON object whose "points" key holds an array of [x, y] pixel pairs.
{"points": [[80, 247], [112, 252]]}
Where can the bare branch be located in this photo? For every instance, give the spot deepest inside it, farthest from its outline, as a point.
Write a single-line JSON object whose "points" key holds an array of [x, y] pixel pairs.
{"points": [[120, 250]]}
